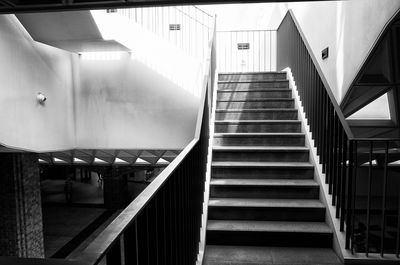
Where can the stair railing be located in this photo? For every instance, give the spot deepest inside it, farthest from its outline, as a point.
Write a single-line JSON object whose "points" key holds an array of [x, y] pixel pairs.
{"points": [[360, 172], [246, 50], [162, 225], [187, 27]]}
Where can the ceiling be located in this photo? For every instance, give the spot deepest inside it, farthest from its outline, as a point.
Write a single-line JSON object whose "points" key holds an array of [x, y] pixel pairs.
{"points": [[18, 6], [108, 157], [74, 31]]}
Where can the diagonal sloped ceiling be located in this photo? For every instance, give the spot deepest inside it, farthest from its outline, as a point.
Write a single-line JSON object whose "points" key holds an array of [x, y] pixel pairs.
{"points": [[74, 31], [110, 157]]}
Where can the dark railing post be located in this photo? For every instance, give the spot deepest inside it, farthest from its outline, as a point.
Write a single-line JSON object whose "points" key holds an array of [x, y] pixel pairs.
{"points": [[114, 254], [383, 222], [349, 191], [343, 157], [369, 197]]}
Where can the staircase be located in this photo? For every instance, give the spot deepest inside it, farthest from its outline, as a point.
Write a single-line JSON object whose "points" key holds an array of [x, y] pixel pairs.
{"points": [[263, 198]]}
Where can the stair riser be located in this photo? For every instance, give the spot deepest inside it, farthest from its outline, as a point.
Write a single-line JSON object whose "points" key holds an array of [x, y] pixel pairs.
{"points": [[249, 127], [271, 104], [266, 192], [276, 239], [252, 77], [266, 214], [261, 85], [260, 141], [277, 115], [253, 95], [248, 156], [262, 173]]}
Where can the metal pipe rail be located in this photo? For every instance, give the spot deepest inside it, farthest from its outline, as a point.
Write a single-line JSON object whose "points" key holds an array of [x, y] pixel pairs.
{"points": [[257, 53], [191, 26], [342, 156], [162, 225]]}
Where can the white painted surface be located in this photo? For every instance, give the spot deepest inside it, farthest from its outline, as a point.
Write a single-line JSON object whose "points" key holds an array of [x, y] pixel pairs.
{"points": [[349, 29], [131, 102], [127, 104], [26, 68]]}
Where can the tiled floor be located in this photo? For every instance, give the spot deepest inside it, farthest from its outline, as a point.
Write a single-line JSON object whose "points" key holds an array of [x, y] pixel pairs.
{"points": [[61, 224]]}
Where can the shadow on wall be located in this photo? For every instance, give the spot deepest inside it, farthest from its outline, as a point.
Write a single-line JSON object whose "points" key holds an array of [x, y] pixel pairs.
{"points": [[123, 103]]}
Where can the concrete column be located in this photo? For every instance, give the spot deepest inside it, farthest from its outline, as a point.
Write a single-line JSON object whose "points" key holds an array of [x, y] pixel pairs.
{"points": [[115, 187], [21, 227]]}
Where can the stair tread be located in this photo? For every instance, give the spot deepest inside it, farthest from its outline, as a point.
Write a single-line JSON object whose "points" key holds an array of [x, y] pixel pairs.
{"points": [[257, 121], [252, 73], [271, 203], [255, 99], [240, 255], [268, 226], [259, 134], [272, 89], [265, 182], [257, 110], [253, 81], [260, 164], [261, 148]]}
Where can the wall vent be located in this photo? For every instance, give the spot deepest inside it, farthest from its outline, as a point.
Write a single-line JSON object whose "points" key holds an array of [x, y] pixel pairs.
{"points": [[243, 46], [174, 26], [111, 10]]}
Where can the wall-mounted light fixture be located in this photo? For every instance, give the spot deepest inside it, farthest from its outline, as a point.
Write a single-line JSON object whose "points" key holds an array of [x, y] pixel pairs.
{"points": [[40, 98]]}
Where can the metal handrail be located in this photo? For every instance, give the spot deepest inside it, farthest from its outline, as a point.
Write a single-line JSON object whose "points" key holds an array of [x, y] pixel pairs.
{"points": [[344, 158], [336, 106], [102, 244]]}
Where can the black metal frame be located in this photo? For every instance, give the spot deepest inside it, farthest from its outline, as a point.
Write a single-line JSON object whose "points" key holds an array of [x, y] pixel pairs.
{"points": [[20, 6], [341, 154]]}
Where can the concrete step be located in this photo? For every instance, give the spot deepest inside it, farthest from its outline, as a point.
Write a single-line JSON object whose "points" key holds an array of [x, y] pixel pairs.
{"points": [[263, 255], [262, 76], [256, 114], [261, 153], [266, 209], [253, 94], [262, 170], [268, 233], [232, 126], [259, 139], [276, 103], [233, 85], [264, 188]]}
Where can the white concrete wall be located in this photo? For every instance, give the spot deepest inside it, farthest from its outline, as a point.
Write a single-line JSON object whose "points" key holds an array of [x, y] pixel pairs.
{"points": [[26, 68], [349, 29], [127, 104]]}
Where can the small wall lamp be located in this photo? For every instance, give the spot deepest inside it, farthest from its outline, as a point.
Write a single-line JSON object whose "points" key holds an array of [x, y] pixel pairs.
{"points": [[40, 98]]}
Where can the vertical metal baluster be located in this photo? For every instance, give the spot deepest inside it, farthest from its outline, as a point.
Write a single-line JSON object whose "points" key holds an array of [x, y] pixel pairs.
{"points": [[355, 151], [369, 197], [270, 51], [130, 244], [383, 223], [338, 190], [344, 177], [398, 227], [349, 210], [114, 254]]}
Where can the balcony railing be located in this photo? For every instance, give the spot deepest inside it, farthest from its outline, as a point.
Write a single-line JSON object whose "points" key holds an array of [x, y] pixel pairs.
{"points": [[362, 174], [187, 27], [162, 225], [246, 51]]}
